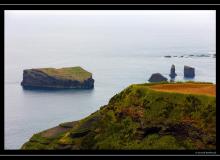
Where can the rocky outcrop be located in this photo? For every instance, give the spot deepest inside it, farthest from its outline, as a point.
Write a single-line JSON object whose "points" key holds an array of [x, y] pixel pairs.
{"points": [[172, 72], [157, 77], [38, 78], [189, 72]]}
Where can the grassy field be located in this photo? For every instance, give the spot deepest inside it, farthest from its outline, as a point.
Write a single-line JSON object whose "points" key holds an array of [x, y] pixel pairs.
{"points": [[72, 73], [142, 118], [187, 88]]}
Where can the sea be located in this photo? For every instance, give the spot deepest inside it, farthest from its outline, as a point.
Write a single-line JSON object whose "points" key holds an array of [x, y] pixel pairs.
{"points": [[119, 48]]}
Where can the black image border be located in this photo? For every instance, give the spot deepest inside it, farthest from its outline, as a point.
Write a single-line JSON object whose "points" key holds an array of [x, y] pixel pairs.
{"points": [[108, 7]]}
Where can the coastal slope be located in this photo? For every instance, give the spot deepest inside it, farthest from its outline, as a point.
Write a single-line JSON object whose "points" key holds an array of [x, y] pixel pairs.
{"points": [[151, 116], [69, 77]]}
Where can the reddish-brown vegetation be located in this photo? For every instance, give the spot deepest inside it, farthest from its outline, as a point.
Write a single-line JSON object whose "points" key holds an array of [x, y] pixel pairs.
{"points": [[188, 88]]}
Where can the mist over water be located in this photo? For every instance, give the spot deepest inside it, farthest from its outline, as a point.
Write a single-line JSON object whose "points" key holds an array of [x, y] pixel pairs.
{"points": [[119, 47]]}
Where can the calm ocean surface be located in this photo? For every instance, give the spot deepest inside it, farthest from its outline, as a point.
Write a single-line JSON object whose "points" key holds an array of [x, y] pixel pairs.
{"points": [[119, 49]]}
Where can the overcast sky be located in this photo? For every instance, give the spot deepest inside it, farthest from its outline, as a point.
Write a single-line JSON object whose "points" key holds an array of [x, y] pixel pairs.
{"points": [[127, 28]]}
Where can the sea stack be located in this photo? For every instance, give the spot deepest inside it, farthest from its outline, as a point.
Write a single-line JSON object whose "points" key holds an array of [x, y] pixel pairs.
{"points": [[52, 78], [189, 72], [172, 72], [157, 77]]}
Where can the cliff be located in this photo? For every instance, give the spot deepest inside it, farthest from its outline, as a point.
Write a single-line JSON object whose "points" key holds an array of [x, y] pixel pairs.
{"points": [[164, 116], [71, 77]]}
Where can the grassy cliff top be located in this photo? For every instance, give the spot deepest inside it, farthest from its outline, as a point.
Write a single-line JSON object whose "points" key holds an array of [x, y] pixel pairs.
{"points": [[72, 73], [140, 118]]}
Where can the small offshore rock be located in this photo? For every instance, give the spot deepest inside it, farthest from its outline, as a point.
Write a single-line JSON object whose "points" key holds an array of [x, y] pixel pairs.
{"points": [[157, 77], [167, 56], [189, 72], [172, 72], [203, 55]]}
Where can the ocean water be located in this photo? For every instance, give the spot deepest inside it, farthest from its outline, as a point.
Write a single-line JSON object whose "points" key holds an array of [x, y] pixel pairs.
{"points": [[119, 48]]}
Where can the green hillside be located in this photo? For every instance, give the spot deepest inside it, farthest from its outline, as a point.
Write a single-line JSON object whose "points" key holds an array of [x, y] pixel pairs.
{"points": [[139, 118]]}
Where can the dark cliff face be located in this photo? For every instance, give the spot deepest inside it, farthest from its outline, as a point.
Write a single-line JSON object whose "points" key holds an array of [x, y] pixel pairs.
{"points": [[37, 79]]}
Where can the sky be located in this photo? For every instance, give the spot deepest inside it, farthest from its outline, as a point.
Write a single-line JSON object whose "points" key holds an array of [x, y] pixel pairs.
{"points": [[110, 29]]}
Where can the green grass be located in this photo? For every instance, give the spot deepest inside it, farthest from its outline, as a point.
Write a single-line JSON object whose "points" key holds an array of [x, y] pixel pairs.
{"points": [[72, 73], [120, 124]]}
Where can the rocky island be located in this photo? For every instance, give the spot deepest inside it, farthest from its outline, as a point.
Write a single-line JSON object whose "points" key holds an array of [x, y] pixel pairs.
{"points": [[52, 78], [164, 116]]}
